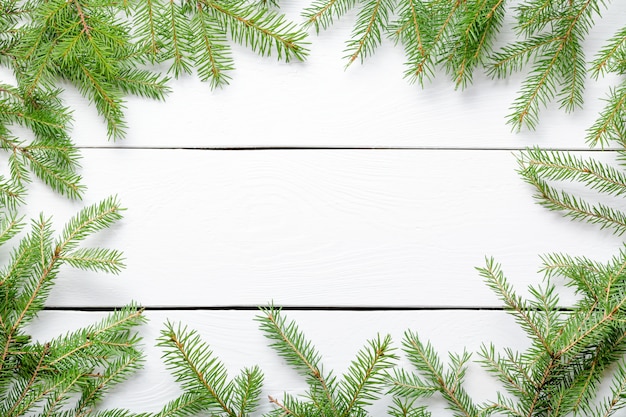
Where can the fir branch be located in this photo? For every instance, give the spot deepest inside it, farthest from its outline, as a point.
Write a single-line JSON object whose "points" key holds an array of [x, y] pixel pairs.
{"points": [[204, 379], [362, 384], [213, 58], [68, 375], [478, 27], [371, 22], [178, 32], [10, 226], [146, 17], [448, 384], [507, 370], [96, 259], [91, 219], [365, 379], [11, 194], [194, 366], [459, 35], [405, 384], [559, 69], [609, 126], [289, 342], [521, 310], [611, 56], [617, 400], [561, 166], [264, 31], [322, 13], [247, 390], [51, 156], [439, 20], [583, 274], [537, 167], [409, 29]]}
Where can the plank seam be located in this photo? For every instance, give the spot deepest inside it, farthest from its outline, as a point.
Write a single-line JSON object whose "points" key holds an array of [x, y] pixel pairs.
{"points": [[346, 148], [293, 308]]}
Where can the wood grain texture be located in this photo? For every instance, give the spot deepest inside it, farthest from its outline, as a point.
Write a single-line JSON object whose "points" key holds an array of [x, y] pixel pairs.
{"points": [[315, 228], [338, 336]]}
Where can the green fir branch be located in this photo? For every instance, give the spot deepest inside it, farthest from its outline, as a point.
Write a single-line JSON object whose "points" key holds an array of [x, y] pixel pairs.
{"points": [[289, 342], [538, 168], [266, 32], [68, 375], [609, 126], [204, 378], [449, 384], [213, 58], [362, 384], [51, 156], [369, 30], [366, 377], [554, 34], [321, 14], [559, 374]]}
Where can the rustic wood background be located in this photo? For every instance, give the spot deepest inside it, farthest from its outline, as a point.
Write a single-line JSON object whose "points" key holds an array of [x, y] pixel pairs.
{"points": [[359, 202]]}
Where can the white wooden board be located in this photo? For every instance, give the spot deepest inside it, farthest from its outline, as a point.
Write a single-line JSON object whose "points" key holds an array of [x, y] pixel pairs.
{"points": [[315, 228], [320, 228]]}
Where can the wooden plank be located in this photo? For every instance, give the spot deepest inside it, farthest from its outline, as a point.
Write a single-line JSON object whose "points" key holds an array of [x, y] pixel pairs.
{"points": [[234, 337], [320, 104], [315, 228]]}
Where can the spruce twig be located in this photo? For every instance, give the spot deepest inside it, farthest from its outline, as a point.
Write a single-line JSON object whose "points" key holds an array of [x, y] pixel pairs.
{"points": [[70, 374], [559, 374], [362, 384], [204, 378]]}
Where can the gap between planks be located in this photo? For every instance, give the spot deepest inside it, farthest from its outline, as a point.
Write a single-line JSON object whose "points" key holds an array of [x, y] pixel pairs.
{"points": [[289, 308], [347, 148]]}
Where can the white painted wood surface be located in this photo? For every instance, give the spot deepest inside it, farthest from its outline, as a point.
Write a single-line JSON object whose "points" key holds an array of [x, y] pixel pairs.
{"points": [[316, 228], [319, 227]]}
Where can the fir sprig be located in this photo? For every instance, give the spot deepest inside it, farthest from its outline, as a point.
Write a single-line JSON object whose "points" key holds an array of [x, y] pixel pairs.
{"points": [[544, 169], [68, 375], [363, 383], [194, 34], [51, 155], [407, 388], [555, 32], [559, 374], [87, 44], [204, 378], [102, 48], [457, 35]]}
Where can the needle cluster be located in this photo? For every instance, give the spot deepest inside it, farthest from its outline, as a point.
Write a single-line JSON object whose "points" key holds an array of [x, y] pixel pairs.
{"points": [[458, 36], [109, 50], [550, 172], [102, 46], [207, 388], [204, 379], [68, 375], [570, 353], [50, 154]]}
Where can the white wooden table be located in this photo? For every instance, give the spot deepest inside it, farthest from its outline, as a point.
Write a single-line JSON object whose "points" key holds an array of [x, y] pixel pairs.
{"points": [[360, 202]]}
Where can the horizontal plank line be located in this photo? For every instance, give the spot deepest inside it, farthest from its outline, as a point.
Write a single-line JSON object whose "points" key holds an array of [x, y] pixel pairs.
{"points": [[289, 308], [338, 148]]}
